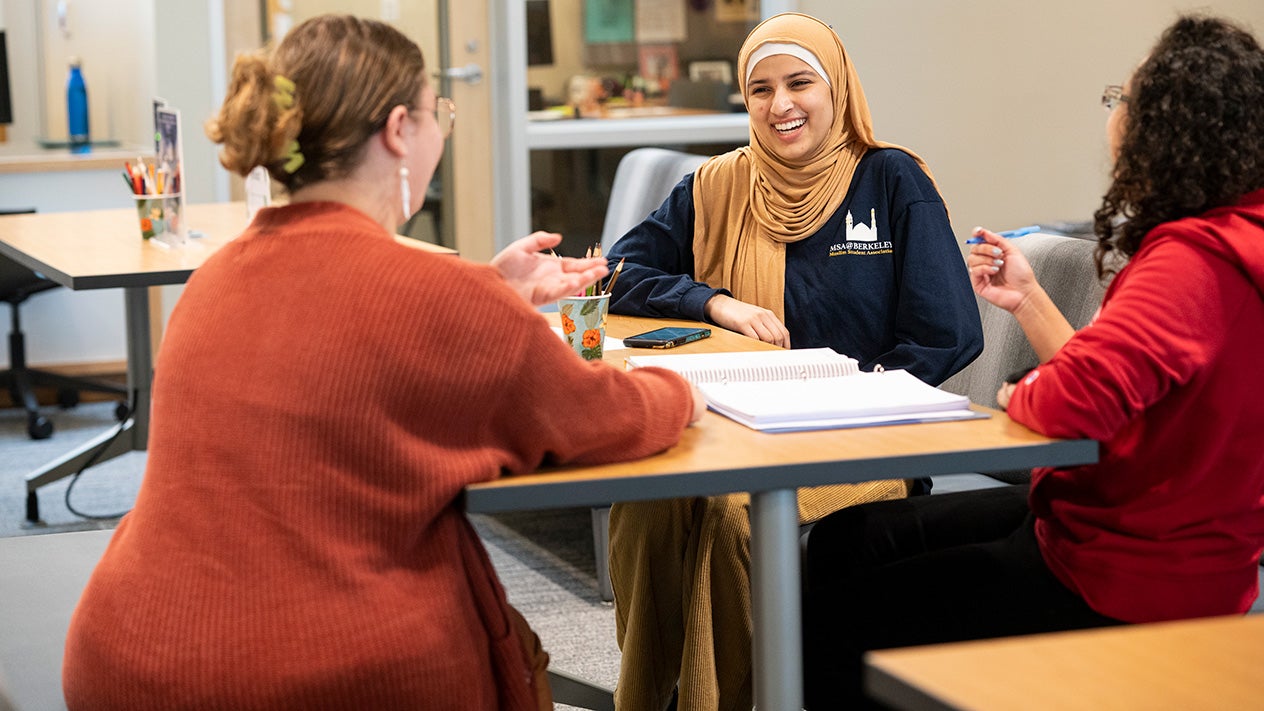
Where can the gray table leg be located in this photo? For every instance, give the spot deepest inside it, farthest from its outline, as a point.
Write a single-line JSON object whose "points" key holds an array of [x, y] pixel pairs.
{"points": [[601, 551], [778, 654], [133, 434], [140, 361]]}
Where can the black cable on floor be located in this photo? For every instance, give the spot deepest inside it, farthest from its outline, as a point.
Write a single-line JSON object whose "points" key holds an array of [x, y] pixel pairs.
{"points": [[93, 460]]}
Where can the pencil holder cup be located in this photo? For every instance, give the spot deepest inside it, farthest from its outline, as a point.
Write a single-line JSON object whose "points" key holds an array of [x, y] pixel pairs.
{"points": [[151, 211], [159, 216], [584, 323]]}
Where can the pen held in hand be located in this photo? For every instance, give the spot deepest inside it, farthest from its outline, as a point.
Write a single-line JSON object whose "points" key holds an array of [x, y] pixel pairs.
{"points": [[1008, 234]]}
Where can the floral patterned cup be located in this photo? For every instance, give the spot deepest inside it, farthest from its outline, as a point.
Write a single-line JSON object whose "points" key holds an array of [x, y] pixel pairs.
{"points": [[151, 211], [159, 217], [584, 323]]}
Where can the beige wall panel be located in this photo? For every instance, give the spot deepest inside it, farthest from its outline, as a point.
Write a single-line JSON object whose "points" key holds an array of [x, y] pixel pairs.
{"points": [[116, 42], [1002, 97]]}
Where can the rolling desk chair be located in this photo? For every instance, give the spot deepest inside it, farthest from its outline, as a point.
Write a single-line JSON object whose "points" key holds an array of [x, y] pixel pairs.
{"points": [[644, 178], [1064, 265], [17, 284]]}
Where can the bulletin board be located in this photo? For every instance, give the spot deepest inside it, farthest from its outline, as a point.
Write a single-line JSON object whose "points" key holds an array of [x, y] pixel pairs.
{"points": [[615, 31]]}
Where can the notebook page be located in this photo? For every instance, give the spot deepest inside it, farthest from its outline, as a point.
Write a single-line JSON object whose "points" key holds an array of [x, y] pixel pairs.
{"points": [[864, 395], [752, 366]]}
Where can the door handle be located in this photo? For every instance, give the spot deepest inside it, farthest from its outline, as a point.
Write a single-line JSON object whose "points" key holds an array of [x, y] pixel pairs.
{"points": [[470, 73]]}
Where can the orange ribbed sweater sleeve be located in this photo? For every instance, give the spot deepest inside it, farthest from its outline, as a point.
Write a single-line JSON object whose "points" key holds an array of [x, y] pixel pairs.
{"points": [[321, 398]]}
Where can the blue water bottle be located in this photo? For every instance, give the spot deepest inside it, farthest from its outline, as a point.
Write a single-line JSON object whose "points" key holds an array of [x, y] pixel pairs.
{"points": [[77, 105]]}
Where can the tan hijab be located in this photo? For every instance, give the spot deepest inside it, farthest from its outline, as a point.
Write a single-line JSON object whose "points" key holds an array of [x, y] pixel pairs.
{"points": [[749, 203]]}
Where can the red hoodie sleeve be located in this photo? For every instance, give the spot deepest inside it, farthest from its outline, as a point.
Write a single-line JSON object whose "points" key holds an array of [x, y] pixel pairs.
{"points": [[1163, 319]]}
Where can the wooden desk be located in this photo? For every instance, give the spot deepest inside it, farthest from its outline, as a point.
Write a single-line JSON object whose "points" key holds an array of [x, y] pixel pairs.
{"points": [[719, 456], [103, 250], [1207, 663]]}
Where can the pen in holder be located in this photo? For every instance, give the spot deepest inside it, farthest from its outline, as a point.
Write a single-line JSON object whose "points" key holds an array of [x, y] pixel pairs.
{"points": [[159, 204]]}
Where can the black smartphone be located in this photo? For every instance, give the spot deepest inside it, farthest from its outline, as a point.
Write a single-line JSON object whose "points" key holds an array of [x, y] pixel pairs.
{"points": [[669, 337]]}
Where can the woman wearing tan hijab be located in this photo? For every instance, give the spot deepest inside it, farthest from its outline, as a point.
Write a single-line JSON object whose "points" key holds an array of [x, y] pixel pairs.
{"points": [[816, 234]]}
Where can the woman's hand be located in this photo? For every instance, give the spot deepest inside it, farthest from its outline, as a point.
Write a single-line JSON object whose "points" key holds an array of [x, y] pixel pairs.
{"points": [[543, 278], [1002, 275], [1004, 394], [699, 404], [999, 272], [747, 319]]}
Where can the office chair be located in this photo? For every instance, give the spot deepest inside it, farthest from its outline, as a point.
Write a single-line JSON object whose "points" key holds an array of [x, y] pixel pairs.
{"points": [[1065, 268], [17, 284], [644, 178]]}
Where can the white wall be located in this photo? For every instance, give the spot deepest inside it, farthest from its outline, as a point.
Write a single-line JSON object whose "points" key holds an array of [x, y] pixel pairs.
{"points": [[131, 51], [115, 41], [64, 326], [1001, 97], [20, 36], [195, 83], [193, 32]]}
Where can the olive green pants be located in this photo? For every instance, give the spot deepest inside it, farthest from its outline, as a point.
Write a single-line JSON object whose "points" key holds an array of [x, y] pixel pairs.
{"points": [[681, 575]]}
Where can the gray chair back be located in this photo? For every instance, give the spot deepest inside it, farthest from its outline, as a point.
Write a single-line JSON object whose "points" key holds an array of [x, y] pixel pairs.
{"points": [[644, 178], [1064, 267]]}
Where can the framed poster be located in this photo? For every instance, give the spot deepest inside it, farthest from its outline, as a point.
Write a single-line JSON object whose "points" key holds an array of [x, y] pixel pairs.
{"points": [[169, 164], [608, 21], [718, 70], [736, 10], [658, 62]]}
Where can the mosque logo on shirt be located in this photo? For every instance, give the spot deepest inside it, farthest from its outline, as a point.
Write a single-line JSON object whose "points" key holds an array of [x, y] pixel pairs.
{"points": [[862, 239]]}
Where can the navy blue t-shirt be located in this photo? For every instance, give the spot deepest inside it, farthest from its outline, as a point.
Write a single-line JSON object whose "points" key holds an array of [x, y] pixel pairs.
{"points": [[883, 281]]}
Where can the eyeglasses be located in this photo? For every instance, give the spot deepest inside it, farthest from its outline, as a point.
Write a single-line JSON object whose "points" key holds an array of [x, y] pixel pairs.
{"points": [[445, 115], [1113, 96]]}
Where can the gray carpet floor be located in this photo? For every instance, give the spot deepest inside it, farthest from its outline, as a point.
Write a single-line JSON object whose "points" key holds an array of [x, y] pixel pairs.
{"points": [[544, 558]]}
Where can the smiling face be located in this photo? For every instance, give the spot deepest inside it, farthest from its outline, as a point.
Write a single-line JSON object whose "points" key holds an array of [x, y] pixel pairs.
{"points": [[790, 106]]}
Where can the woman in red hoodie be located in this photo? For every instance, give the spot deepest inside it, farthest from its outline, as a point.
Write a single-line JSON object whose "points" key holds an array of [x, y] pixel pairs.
{"points": [[1169, 524]]}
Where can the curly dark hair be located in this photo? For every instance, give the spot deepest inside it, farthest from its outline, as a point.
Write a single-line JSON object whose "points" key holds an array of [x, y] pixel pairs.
{"points": [[1193, 136]]}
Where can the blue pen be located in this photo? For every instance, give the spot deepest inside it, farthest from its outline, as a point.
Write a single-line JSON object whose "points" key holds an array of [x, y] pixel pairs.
{"points": [[1008, 234]]}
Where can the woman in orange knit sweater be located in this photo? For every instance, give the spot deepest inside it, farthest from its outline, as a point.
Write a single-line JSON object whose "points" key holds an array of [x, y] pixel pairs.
{"points": [[322, 397]]}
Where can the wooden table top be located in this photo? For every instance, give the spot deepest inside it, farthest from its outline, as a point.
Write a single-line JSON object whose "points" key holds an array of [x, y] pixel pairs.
{"points": [[719, 455], [1208, 663], [103, 249]]}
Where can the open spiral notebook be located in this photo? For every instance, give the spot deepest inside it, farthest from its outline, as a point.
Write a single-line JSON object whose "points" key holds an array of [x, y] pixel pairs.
{"points": [[809, 389]]}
